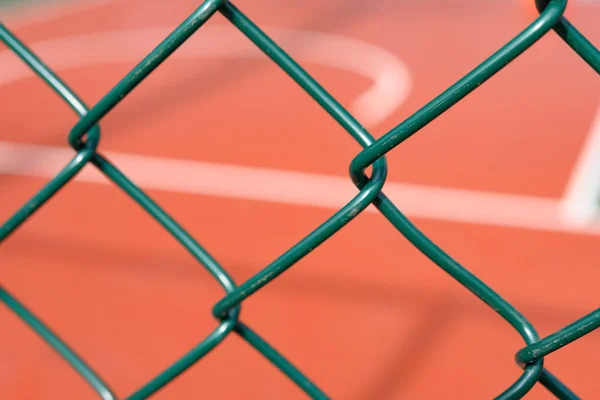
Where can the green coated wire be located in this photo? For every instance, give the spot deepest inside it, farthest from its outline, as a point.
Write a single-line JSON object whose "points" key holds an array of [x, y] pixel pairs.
{"points": [[144, 68], [535, 31], [560, 339], [227, 325], [64, 176], [84, 137], [78, 161], [368, 191], [58, 344], [443, 102]]}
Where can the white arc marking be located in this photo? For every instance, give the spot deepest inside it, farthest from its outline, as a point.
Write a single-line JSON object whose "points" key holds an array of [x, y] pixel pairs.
{"points": [[390, 76]]}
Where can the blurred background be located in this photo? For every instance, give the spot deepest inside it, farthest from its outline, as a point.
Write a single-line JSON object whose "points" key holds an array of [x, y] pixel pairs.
{"points": [[505, 182]]}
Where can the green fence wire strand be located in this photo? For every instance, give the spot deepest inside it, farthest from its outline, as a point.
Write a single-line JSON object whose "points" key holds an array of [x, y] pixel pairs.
{"points": [[579, 43], [200, 254], [57, 344], [294, 70], [227, 325], [442, 103], [368, 192], [42, 70], [476, 286], [556, 387], [64, 176], [574, 38], [274, 357], [82, 156], [531, 374], [560, 339], [228, 309], [144, 68]]}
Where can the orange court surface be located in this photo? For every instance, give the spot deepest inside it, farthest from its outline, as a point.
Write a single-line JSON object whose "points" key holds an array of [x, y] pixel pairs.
{"points": [[505, 182]]}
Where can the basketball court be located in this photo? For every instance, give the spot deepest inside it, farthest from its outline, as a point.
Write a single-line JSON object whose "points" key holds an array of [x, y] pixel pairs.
{"points": [[506, 182]]}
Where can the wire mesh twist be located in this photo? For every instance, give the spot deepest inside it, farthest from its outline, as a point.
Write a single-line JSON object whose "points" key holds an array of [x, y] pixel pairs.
{"points": [[84, 138]]}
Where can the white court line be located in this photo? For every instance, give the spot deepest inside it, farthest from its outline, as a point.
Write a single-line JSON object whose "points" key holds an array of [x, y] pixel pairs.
{"points": [[574, 213], [580, 206], [26, 15], [296, 188], [390, 76]]}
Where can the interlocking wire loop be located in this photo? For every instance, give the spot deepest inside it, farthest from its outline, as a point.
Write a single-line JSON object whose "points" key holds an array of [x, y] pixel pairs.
{"points": [[84, 137]]}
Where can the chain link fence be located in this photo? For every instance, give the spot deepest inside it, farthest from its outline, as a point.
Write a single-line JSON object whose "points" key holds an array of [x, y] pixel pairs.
{"points": [[84, 138]]}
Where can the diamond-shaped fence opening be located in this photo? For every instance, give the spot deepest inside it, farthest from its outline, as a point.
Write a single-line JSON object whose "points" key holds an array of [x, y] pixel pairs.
{"points": [[85, 138]]}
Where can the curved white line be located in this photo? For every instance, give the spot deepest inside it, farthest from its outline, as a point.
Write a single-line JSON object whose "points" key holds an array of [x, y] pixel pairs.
{"points": [[391, 78], [26, 15]]}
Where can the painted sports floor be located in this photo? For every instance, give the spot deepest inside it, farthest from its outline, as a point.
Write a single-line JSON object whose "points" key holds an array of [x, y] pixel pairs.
{"points": [[506, 182]]}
